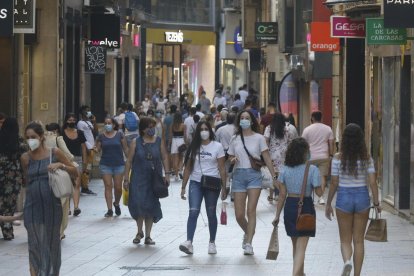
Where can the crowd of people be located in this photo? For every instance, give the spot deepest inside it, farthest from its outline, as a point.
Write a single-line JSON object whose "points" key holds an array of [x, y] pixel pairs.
{"points": [[214, 148]]}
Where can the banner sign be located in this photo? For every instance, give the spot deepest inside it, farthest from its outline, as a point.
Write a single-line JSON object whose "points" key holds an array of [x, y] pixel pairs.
{"points": [[321, 40], [105, 31], [95, 59], [6, 18], [343, 26], [24, 16], [378, 35], [266, 32], [399, 13]]}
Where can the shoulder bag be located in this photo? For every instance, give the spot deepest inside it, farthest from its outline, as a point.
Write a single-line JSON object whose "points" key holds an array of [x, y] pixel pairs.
{"points": [[60, 182], [256, 164], [377, 228], [305, 222], [209, 182]]}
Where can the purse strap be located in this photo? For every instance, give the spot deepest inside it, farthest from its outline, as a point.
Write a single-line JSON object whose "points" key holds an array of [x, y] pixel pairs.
{"points": [[244, 145], [302, 193]]}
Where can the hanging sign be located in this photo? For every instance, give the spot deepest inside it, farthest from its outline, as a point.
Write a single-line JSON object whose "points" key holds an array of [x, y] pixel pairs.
{"points": [[399, 13], [6, 18], [95, 59], [321, 40], [24, 16], [343, 26], [266, 32], [378, 35], [238, 41]]}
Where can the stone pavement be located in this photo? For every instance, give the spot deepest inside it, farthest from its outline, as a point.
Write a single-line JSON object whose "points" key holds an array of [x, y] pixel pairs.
{"points": [[95, 245]]}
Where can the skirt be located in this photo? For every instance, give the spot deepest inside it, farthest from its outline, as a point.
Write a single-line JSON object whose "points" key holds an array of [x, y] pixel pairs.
{"points": [[291, 214]]}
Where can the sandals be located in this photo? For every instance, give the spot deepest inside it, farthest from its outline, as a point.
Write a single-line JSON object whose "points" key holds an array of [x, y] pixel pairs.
{"points": [[149, 241], [138, 238]]}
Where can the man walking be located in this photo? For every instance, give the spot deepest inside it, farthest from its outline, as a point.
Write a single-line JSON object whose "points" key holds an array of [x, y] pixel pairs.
{"points": [[320, 138]]}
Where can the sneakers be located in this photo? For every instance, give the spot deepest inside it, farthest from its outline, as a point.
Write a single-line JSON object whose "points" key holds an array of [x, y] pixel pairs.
{"points": [[117, 209], [177, 179], [76, 212], [212, 248], [109, 214], [346, 271], [321, 201], [86, 191], [248, 249], [244, 241], [187, 247]]}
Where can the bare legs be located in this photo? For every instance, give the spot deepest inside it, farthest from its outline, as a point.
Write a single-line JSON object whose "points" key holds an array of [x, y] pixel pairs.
{"points": [[176, 163], [299, 245], [76, 191], [148, 226], [249, 225], [117, 181], [352, 230]]}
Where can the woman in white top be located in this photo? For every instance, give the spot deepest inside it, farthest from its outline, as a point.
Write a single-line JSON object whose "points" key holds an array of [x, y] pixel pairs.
{"points": [[352, 171], [247, 182], [205, 157]]}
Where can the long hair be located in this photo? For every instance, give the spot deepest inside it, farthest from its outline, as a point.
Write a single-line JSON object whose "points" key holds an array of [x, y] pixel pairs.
{"points": [[9, 137], [194, 148], [254, 124], [177, 120], [67, 116], [296, 152], [353, 148], [277, 126]]}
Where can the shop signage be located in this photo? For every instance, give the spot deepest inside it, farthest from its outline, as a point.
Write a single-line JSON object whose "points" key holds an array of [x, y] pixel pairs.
{"points": [[174, 37], [266, 32], [6, 18], [95, 59], [399, 13], [105, 31], [321, 40], [378, 35], [343, 26], [24, 16], [238, 41]]}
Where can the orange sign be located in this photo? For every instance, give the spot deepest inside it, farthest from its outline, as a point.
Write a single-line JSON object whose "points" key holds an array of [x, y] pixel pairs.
{"points": [[321, 40]]}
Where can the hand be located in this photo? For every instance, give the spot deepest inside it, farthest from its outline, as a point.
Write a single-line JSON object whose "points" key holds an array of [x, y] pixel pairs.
{"points": [[223, 193], [167, 179], [329, 212], [379, 208], [233, 160], [183, 194], [126, 185], [275, 222], [54, 166]]}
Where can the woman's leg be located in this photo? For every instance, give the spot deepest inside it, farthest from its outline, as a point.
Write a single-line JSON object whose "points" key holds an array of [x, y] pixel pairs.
{"points": [[299, 258], [360, 224], [195, 197], [294, 240], [175, 163], [118, 187], [76, 192], [140, 222], [345, 224], [148, 227], [252, 199], [211, 198], [107, 179], [240, 209]]}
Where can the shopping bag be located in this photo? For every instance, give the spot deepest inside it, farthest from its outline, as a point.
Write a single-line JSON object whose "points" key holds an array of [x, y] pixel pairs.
{"points": [[273, 250], [267, 179], [223, 217], [377, 228], [125, 195]]}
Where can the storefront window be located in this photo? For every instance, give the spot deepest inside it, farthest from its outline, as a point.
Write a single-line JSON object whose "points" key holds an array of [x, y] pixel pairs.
{"points": [[288, 97], [233, 74], [178, 11]]}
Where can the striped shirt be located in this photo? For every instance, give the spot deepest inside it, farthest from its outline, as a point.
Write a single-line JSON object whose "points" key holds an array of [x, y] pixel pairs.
{"points": [[350, 181]]}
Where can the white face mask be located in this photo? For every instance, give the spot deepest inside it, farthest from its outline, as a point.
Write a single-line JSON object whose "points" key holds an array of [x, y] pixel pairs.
{"points": [[205, 134], [33, 144]]}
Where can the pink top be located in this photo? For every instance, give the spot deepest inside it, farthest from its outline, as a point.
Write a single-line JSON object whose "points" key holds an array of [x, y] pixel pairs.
{"points": [[318, 136]]}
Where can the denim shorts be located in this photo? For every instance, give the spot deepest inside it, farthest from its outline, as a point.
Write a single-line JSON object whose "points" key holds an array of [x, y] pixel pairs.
{"points": [[244, 179], [112, 170], [353, 200]]}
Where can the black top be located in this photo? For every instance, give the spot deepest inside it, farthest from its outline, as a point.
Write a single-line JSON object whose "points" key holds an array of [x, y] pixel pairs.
{"points": [[74, 146]]}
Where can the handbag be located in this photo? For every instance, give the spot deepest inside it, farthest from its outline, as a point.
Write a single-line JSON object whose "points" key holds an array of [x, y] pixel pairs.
{"points": [[223, 216], [377, 228], [209, 182], [60, 182], [305, 222], [182, 148], [273, 249], [255, 163], [125, 196]]}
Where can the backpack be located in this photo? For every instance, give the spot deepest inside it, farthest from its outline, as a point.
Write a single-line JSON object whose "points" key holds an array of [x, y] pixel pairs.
{"points": [[131, 123]]}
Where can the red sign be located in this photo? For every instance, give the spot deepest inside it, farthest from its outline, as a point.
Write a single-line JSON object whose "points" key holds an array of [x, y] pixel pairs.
{"points": [[321, 40], [343, 26]]}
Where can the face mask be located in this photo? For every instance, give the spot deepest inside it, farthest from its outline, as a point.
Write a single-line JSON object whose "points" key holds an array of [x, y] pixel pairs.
{"points": [[71, 125], [205, 134], [151, 132], [108, 128], [146, 99], [88, 114], [158, 115], [33, 144], [244, 123]]}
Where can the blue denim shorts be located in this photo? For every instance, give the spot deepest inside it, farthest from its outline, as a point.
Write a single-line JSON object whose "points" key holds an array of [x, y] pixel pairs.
{"points": [[353, 200], [244, 179], [112, 170]]}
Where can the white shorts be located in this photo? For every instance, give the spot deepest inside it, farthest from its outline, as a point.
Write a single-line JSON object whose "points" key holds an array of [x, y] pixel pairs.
{"points": [[175, 143]]}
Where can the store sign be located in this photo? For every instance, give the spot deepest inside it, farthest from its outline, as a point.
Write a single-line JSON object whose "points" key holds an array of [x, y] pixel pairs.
{"points": [[321, 40], [266, 32], [378, 35], [24, 16], [399, 13], [105, 31], [174, 37], [6, 18], [238, 41], [95, 59], [343, 26]]}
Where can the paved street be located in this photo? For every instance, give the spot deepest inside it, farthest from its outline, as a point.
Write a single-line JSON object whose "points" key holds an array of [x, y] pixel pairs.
{"points": [[95, 245]]}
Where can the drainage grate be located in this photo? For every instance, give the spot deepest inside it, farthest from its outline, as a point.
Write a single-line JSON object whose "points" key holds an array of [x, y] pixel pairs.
{"points": [[154, 268]]}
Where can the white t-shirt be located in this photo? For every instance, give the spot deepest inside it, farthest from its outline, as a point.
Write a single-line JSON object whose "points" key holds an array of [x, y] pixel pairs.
{"points": [[87, 127], [255, 144], [161, 104], [146, 105], [200, 114], [208, 161], [243, 95], [219, 100], [318, 135], [121, 121], [189, 126], [224, 135]]}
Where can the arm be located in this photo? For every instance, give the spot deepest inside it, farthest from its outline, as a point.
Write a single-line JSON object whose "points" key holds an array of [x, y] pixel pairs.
{"points": [[63, 163], [24, 161], [185, 132], [280, 202], [221, 166], [374, 189], [186, 176], [332, 190], [84, 157], [124, 144], [331, 147], [165, 161], [268, 162], [128, 164], [98, 144]]}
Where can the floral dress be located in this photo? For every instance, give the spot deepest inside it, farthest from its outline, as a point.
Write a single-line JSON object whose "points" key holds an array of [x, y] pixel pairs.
{"points": [[278, 147]]}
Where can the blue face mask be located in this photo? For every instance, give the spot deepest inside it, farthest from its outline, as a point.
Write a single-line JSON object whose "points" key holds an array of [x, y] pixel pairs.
{"points": [[108, 128], [158, 114], [151, 132], [244, 123]]}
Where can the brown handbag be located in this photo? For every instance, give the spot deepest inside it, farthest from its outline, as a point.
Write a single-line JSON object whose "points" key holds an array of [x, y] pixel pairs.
{"points": [[377, 228], [305, 222], [256, 164]]}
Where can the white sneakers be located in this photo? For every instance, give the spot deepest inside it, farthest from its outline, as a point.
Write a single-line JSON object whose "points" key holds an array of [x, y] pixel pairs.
{"points": [[248, 249], [212, 248], [244, 241], [346, 271], [187, 247]]}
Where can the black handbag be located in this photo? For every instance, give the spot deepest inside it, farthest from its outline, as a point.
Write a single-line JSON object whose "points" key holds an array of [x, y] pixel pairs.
{"points": [[209, 182]]}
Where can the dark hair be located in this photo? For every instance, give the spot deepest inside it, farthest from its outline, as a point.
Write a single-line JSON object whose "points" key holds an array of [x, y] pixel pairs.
{"points": [[173, 108], [124, 106], [193, 110], [194, 148], [277, 126], [53, 127], [130, 107], [296, 152], [83, 108], [196, 118], [231, 117], [144, 123], [317, 115], [235, 109], [220, 107], [247, 102], [291, 119], [150, 112], [67, 116], [177, 120], [36, 127], [198, 107], [353, 148], [237, 97], [9, 137], [114, 122], [271, 104], [254, 124]]}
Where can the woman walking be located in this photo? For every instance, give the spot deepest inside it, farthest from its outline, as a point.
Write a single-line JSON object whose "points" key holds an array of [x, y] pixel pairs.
{"points": [[352, 171], [42, 210], [146, 153], [205, 157], [290, 183], [247, 182], [113, 145], [177, 131], [10, 173]]}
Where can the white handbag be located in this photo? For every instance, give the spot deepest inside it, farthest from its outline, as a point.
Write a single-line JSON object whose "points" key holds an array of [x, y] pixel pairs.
{"points": [[267, 179], [60, 182]]}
